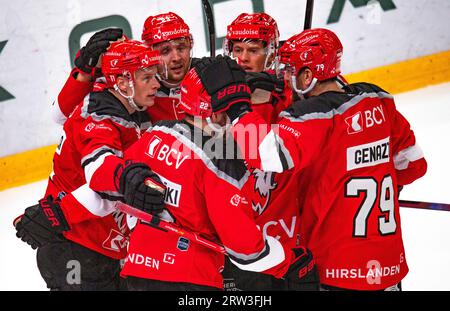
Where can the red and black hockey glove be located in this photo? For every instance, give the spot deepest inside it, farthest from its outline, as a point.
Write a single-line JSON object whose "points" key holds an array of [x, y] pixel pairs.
{"points": [[41, 223], [302, 274], [224, 80], [87, 58], [134, 181]]}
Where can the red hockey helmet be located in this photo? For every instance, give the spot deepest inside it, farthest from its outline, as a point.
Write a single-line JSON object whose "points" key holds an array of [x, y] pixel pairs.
{"points": [[318, 49], [126, 57], [253, 26], [164, 27], [194, 100]]}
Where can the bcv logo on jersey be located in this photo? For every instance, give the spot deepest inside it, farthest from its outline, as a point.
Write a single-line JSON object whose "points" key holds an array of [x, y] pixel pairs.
{"points": [[360, 121], [163, 152]]}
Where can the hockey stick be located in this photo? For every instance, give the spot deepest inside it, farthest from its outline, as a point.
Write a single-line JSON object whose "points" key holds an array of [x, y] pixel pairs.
{"points": [[211, 28], [425, 205], [158, 223], [308, 14]]}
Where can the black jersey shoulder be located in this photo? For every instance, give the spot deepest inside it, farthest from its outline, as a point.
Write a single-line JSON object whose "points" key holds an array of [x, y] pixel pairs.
{"points": [[330, 102], [324, 103], [105, 105], [363, 87]]}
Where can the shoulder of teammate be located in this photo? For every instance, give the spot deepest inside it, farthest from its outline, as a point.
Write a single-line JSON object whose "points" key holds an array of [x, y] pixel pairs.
{"points": [[320, 107], [101, 125], [304, 127], [409, 160], [364, 87]]}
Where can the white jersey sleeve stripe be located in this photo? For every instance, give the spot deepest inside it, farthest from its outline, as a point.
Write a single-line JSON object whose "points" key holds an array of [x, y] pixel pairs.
{"points": [[93, 202], [57, 115], [275, 256], [268, 151], [410, 154], [91, 168]]}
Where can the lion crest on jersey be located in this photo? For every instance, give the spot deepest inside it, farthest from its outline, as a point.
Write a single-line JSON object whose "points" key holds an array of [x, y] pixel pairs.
{"points": [[264, 184]]}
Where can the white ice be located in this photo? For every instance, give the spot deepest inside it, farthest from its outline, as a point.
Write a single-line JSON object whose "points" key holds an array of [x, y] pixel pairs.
{"points": [[426, 233]]}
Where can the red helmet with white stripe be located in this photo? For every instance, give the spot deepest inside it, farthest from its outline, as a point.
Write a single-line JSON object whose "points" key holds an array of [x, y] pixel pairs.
{"points": [[126, 57], [164, 27], [253, 26]]}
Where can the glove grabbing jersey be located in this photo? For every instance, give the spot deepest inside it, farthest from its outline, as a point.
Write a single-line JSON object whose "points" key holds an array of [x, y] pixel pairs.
{"points": [[87, 58], [133, 181], [41, 223], [224, 80]]}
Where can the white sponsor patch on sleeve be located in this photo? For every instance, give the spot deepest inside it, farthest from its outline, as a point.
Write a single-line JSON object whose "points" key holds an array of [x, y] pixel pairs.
{"points": [[370, 154], [173, 192]]}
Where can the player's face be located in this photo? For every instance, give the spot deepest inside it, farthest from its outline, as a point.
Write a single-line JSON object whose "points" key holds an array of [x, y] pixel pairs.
{"points": [[304, 79], [176, 54], [145, 87], [250, 55]]}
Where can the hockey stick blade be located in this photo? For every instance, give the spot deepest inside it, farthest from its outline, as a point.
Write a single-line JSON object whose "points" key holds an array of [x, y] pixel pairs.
{"points": [[158, 223], [425, 205], [211, 27]]}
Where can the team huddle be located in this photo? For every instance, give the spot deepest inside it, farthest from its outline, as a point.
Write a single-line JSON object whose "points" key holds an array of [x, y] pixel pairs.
{"points": [[265, 150]]}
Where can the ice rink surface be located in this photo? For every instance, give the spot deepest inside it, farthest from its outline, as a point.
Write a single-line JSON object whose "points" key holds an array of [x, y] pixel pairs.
{"points": [[426, 233]]}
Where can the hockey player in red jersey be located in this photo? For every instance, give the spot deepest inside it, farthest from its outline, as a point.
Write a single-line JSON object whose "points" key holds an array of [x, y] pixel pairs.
{"points": [[171, 36], [352, 149], [253, 41], [167, 33], [86, 230], [190, 160]]}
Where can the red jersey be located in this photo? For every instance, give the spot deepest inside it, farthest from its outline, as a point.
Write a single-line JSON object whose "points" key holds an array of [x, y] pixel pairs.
{"points": [[99, 126], [204, 196], [276, 210], [351, 150], [166, 105]]}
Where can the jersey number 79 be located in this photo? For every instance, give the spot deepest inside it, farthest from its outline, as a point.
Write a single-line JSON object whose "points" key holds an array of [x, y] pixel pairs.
{"points": [[368, 187]]}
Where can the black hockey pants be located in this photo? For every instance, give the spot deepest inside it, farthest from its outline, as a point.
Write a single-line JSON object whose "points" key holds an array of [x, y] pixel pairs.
{"points": [[68, 266]]}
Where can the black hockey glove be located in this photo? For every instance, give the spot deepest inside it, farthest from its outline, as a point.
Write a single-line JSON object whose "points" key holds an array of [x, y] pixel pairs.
{"points": [[224, 81], [302, 274], [140, 186], [42, 223], [261, 80], [88, 57]]}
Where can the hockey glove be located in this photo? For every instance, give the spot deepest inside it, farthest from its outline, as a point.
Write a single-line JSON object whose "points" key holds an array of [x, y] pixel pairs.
{"points": [[41, 223], [224, 80], [302, 274], [261, 80], [132, 180], [87, 58]]}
